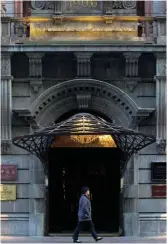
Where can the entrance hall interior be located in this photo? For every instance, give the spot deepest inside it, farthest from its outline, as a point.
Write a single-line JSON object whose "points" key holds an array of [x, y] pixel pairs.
{"points": [[70, 168]]}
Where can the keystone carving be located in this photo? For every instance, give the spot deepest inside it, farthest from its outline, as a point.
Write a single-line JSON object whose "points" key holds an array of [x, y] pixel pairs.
{"points": [[83, 100]]}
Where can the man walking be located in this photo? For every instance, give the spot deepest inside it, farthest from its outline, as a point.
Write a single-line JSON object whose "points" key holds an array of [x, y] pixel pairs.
{"points": [[85, 216]]}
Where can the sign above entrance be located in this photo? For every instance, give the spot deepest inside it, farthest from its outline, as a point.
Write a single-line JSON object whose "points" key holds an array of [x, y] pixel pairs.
{"points": [[83, 28]]}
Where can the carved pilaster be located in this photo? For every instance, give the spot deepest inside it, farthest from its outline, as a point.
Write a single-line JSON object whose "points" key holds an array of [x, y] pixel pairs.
{"points": [[160, 79], [160, 64], [35, 70], [35, 64], [83, 64], [131, 69], [6, 102]]}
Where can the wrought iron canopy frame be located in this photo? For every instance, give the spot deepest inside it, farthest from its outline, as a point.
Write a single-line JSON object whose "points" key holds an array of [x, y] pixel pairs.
{"points": [[127, 140]]}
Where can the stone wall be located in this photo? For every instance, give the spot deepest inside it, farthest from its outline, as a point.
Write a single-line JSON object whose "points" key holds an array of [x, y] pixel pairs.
{"points": [[26, 215]]}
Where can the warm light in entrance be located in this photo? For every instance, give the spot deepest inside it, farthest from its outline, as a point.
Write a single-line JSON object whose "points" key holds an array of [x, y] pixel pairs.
{"points": [[84, 141]]}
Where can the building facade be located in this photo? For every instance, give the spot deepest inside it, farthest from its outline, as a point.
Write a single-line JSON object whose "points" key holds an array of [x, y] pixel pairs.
{"points": [[105, 57]]}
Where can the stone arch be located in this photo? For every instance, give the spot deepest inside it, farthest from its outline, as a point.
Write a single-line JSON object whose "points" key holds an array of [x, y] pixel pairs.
{"points": [[105, 98]]}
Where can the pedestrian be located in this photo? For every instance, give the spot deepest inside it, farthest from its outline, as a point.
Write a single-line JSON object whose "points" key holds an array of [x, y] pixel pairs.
{"points": [[85, 216]]}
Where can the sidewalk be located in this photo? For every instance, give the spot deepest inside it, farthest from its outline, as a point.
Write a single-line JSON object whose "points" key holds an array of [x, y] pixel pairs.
{"points": [[61, 239]]}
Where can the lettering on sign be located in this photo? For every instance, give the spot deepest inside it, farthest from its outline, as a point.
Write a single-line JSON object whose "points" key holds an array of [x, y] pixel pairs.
{"points": [[84, 3], [158, 172], [82, 7], [159, 191], [8, 192], [8, 172]]}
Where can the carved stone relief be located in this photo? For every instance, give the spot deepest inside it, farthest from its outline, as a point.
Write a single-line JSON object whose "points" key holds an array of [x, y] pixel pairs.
{"points": [[120, 7], [121, 4], [5, 65], [42, 5]]}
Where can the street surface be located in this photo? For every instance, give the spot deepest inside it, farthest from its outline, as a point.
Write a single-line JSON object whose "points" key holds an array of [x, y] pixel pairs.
{"points": [[62, 239]]}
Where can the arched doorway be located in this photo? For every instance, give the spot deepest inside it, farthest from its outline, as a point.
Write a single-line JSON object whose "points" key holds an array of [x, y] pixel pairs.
{"points": [[84, 160], [84, 125]]}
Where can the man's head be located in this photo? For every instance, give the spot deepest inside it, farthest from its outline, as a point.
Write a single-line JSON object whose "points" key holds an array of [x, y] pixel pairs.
{"points": [[85, 190]]}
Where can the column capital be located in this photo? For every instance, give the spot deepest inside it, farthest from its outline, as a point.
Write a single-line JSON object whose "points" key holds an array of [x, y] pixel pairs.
{"points": [[6, 64], [160, 78], [83, 55], [6, 55], [35, 55], [160, 55], [160, 64], [132, 55]]}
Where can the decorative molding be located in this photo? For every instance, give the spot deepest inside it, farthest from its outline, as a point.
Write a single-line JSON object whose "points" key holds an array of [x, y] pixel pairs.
{"points": [[161, 146], [122, 7], [36, 84], [43, 5], [131, 83], [160, 64], [5, 146], [129, 4], [141, 114], [93, 46], [26, 115], [98, 90], [131, 69], [6, 64]]}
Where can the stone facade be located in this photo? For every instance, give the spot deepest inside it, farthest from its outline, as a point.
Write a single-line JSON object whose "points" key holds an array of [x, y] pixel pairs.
{"points": [[126, 82]]}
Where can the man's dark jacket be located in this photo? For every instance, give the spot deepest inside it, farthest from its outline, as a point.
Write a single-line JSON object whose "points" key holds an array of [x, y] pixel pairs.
{"points": [[85, 211]]}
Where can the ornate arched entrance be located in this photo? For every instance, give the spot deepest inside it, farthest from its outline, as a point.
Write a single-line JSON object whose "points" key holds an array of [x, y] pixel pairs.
{"points": [[89, 95], [94, 98], [82, 124]]}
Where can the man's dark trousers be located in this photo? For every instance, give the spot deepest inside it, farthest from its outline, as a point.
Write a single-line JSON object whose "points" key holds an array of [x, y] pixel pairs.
{"points": [[84, 224]]}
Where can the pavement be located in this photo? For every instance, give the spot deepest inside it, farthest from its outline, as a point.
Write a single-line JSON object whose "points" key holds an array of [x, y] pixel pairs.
{"points": [[88, 239]]}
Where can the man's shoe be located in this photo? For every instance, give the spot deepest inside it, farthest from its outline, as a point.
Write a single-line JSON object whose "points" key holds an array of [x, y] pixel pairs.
{"points": [[99, 239], [77, 241]]}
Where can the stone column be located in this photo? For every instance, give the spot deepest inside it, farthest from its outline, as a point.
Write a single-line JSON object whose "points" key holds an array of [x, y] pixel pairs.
{"points": [[160, 79], [6, 101], [131, 69], [36, 194], [83, 64], [35, 70]]}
